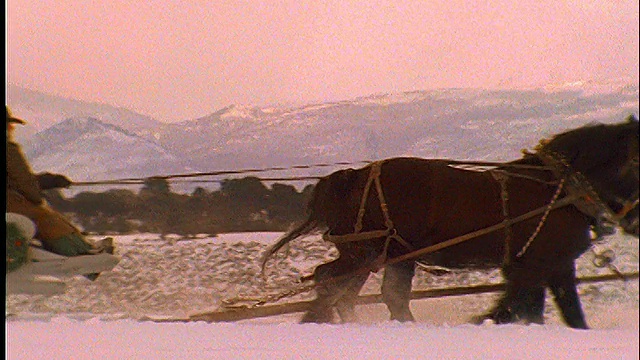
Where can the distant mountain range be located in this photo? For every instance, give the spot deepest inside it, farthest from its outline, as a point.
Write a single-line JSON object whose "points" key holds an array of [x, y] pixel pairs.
{"points": [[91, 141]]}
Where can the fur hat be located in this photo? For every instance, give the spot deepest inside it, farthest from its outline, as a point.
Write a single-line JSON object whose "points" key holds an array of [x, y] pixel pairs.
{"points": [[11, 119]]}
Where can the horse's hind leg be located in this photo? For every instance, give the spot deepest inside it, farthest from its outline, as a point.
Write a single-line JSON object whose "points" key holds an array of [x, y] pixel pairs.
{"points": [[346, 305], [396, 290], [334, 282], [321, 308], [563, 287]]}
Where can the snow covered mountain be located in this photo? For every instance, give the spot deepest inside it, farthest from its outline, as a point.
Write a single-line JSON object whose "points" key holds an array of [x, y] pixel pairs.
{"points": [[451, 123], [87, 149], [42, 111], [458, 123]]}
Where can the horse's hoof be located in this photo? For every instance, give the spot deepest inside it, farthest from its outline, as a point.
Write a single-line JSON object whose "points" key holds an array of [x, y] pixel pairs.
{"points": [[537, 320], [403, 318], [316, 318], [482, 320], [497, 316]]}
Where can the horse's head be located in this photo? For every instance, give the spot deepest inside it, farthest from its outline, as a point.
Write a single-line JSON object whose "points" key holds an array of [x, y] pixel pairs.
{"points": [[622, 197], [629, 176], [607, 157]]}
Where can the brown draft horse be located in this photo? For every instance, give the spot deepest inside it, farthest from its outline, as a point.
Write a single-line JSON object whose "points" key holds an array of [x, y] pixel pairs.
{"points": [[429, 201]]}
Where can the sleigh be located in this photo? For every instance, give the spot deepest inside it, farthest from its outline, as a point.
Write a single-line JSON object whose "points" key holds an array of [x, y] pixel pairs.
{"points": [[35, 271]]}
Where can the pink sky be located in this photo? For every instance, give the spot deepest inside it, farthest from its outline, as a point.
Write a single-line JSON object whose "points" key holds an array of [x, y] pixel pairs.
{"points": [[178, 60]]}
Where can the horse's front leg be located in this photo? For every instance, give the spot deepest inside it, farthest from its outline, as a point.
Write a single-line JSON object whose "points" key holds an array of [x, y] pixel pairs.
{"points": [[396, 290], [523, 299], [563, 287]]}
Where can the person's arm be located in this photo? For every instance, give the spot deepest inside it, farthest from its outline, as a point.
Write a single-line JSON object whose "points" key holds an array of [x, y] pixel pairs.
{"points": [[19, 175]]}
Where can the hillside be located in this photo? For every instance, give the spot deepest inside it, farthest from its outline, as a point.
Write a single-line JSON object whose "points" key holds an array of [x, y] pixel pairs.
{"points": [[451, 123]]}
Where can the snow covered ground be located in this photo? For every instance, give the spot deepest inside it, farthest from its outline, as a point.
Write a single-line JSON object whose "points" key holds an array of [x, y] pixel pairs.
{"points": [[174, 278]]}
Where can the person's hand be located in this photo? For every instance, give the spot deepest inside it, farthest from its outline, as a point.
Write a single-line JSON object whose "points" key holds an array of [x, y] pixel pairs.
{"points": [[48, 181]]}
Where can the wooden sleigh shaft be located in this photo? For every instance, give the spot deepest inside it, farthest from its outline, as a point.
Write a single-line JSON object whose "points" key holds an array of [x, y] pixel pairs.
{"points": [[244, 313]]}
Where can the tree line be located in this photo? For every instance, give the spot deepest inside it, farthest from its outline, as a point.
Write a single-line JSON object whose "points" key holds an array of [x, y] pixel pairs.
{"points": [[239, 205]]}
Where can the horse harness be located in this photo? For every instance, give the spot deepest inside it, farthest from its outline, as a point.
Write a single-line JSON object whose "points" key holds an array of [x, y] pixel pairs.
{"points": [[390, 233], [589, 202], [579, 191]]}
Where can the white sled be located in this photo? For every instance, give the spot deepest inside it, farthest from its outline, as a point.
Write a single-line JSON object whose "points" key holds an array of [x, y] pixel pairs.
{"points": [[45, 271]]}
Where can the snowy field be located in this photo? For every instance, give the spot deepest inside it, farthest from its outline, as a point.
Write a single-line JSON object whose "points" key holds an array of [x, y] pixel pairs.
{"points": [[173, 278]]}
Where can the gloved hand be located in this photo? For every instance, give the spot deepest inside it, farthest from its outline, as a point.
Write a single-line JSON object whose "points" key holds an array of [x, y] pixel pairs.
{"points": [[48, 181]]}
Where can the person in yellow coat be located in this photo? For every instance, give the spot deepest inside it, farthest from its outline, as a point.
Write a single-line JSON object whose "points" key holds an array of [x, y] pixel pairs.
{"points": [[53, 230]]}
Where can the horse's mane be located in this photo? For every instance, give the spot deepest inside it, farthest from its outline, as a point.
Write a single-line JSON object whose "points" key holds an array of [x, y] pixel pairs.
{"points": [[592, 145]]}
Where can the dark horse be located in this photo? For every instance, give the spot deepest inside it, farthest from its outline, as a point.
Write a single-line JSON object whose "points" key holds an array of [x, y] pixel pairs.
{"points": [[392, 207]]}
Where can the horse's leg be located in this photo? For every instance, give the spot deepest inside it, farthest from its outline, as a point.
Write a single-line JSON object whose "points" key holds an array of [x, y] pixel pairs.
{"points": [[563, 287], [333, 282], [347, 304], [502, 312], [532, 305], [321, 308], [523, 298], [396, 290]]}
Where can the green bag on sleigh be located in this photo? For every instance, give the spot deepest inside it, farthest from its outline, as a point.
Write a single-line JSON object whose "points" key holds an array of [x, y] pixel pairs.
{"points": [[17, 247]]}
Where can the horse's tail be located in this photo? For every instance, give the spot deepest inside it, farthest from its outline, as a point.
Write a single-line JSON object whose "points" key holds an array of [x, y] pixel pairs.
{"points": [[303, 229]]}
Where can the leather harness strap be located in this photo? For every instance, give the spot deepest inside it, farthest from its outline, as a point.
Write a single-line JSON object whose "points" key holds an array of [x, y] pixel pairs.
{"points": [[390, 232]]}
